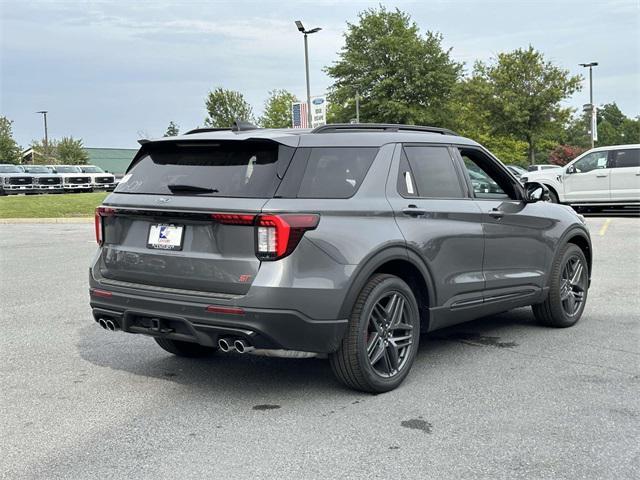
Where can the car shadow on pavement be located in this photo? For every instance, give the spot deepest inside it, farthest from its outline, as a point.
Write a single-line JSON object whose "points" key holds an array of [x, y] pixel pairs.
{"points": [[139, 355]]}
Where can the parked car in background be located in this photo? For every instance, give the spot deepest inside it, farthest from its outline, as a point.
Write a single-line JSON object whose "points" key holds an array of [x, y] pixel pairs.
{"points": [[13, 180], [347, 240], [99, 178], [539, 168], [73, 180], [44, 180], [600, 177], [517, 170]]}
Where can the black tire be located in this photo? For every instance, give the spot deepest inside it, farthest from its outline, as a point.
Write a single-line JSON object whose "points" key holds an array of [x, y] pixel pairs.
{"points": [[553, 197], [351, 362], [185, 349], [553, 311]]}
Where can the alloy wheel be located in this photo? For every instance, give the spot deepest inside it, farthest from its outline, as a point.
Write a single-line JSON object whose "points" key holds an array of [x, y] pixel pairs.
{"points": [[389, 335], [573, 286]]}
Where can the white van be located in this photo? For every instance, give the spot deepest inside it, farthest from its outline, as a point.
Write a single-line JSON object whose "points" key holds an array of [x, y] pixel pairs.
{"points": [[603, 176]]}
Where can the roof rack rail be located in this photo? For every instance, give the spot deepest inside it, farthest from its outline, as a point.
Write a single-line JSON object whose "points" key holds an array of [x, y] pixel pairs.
{"points": [[238, 126], [376, 127]]}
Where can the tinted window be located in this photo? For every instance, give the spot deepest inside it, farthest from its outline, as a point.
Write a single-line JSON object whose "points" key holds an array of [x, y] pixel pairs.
{"points": [[626, 158], [591, 162], [67, 169], [433, 171], [487, 178], [36, 169], [234, 169], [335, 172], [92, 169], [10, 169]]}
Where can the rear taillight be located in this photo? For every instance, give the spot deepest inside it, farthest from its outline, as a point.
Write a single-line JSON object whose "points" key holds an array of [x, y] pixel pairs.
{"points": [[278, 235], [100, 213]]}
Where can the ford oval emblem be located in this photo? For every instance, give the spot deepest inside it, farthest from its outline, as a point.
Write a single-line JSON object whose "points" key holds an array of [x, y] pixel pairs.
{"points": [[318, 101]]}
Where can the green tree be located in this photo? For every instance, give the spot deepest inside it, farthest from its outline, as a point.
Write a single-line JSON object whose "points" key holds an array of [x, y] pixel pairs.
{"points": [[277, 110], [70, 151], [173, 130], [10, 151], [400, 75], [226, 106], [521, 93], [45, 154]]}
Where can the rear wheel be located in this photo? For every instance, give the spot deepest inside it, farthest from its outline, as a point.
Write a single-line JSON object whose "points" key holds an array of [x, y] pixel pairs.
{"points": [[381, 342], [568, 289], [185, 349]]}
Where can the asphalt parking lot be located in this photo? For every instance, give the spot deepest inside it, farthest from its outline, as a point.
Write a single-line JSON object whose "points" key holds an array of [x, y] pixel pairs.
{"points": [[495, 398]]}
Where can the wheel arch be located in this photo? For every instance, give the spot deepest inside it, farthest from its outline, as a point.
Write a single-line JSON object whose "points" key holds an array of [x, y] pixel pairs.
{"points": [[403, 263], [581, 239]]}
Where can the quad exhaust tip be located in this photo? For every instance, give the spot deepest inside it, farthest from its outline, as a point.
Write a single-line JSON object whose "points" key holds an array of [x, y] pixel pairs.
{"points": [[242, 347], [103, 323], [225, 345]]}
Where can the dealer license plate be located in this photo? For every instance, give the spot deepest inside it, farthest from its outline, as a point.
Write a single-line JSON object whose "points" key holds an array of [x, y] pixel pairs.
{"points": [[165, 237]]}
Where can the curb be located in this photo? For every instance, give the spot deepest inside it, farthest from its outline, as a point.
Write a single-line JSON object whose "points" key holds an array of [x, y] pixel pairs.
{"points": [[5, 221]]}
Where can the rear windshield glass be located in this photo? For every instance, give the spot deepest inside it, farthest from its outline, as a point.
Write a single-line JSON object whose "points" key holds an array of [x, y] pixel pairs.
{"points": [[10, 169], [335, 172], [234, 169], [67, 169]]}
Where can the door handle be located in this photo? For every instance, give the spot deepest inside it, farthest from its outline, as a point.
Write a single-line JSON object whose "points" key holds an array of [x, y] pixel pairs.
{"points": [[495, 213], [601, 176], [414, 211]]}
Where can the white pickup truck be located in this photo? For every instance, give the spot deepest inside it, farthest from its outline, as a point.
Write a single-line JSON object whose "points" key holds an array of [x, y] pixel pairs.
{"points": [[600, 177]]}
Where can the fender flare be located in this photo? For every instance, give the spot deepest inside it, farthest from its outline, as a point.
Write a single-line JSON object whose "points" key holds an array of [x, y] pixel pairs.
{"points": [[375, 261], [574, 231]]}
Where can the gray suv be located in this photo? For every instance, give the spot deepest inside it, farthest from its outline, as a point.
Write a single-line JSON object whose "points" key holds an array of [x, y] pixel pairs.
{"points": [[346, 240]]}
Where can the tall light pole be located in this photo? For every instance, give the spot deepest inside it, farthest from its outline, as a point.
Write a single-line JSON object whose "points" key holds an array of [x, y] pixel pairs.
{"points": [[306, 32], [591, 106], [46, 133]]}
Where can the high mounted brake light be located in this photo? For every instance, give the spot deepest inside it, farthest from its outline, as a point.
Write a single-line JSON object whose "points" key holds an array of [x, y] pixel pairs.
{"points": [[101, 212]]}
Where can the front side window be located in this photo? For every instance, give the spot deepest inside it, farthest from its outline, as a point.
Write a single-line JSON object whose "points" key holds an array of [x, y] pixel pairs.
{"points": [[487, 179], [335, 172], [428, 172], [591, 161], [626, 158]]}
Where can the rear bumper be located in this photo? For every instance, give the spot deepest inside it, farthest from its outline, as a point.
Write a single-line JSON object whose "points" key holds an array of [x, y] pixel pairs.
{"points": [[190, 321]]}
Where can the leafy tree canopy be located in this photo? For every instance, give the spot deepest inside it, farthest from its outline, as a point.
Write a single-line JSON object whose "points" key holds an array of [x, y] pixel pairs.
{"points": [[173, 130], [71, 151], [521, 94], [400, 75], [226, 106], [10, 151], [277, 109]]}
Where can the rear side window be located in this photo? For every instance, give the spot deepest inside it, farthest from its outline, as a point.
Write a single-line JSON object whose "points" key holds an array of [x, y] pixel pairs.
{"points": [[233, 169], [335, 172], [626, 158], [431, 173]]}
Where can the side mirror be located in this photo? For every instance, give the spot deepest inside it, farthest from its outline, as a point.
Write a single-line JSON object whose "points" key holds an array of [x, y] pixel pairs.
{"points": [[535, 192], [571, 169]]}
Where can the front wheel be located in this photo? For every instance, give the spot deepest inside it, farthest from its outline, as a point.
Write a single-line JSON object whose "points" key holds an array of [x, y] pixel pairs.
{"points": [[382, 338], [553, 197], [568, 289], [185, 349]]}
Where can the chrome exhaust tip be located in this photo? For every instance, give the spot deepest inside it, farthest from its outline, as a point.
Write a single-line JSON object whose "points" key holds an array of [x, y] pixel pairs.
{"points": [[103, 324], [225, 345], [111, 326], [242, 347]]}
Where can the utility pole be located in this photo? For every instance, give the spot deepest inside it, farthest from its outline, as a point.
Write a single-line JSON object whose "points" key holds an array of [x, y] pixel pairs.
{"points": [[357, 107], [46, 133], [306, 32], [592, 108]]}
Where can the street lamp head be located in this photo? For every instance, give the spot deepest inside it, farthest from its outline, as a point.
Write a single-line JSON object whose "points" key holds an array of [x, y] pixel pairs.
{"points": [[592, 64], [43, 111], [313, 30], [300, 26]]}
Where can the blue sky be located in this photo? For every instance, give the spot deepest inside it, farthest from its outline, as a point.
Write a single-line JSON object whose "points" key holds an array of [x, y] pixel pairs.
{"points": [[111, 72]]}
